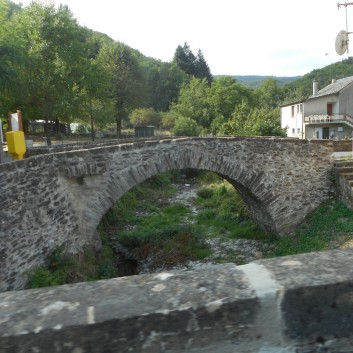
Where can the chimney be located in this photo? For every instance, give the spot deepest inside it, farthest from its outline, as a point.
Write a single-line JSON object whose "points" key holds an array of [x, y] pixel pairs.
{"points": [[315, 88], [333, 80]]}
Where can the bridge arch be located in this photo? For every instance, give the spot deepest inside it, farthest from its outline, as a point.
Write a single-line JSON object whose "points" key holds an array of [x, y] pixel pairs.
{"points": [[58, 199], [247, 185], [259, 181]]}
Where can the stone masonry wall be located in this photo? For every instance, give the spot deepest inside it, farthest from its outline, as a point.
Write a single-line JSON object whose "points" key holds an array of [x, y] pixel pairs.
{"points": [[59, 198], [297, 304]]}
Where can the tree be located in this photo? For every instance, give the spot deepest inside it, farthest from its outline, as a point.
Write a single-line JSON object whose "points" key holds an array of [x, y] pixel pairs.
{"points": [[12, 57], [236, 124], [164, 83], [264, 122], [216, 125], [95, 102], [54, 43], [169, 119], [193, 65], [186, 127], [144, 117], [127, 80], [268, 94], [185, 59], [302, 88], [193, 102], [249, 121], [202, 69], [226, 94]]}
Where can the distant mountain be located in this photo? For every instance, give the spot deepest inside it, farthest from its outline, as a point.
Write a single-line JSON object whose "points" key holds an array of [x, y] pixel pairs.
{"points": [[324, 76], [254, 81]]}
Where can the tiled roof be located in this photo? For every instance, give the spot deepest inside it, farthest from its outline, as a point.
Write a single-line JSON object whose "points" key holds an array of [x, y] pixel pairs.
{"points": [[334, 87]]}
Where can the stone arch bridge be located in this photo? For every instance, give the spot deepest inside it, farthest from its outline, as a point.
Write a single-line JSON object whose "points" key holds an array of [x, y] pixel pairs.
{"points": [[58, 198]]}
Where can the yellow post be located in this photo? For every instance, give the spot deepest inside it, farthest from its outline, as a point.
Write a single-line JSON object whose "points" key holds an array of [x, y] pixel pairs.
{"points": [[16, 144]]}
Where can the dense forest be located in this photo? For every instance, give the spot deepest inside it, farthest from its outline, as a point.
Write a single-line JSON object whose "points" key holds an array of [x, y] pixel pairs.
{"points": [[55, 70], [253, 81]]}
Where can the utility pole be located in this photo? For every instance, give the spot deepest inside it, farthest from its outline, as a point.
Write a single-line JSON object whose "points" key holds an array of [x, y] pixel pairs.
{"points": [[345, 4]]}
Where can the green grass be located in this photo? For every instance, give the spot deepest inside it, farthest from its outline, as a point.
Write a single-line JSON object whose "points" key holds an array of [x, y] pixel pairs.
{"points": [[330, 226], [223, 213], [61, 268], [164, 231], [146, 197], [159, 227]]}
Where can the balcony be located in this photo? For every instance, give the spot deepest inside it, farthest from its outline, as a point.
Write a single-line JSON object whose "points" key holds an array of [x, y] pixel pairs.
{"points": [[324, 118]]}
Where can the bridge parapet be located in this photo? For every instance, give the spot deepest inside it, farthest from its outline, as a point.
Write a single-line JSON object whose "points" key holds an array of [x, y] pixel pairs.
{"points": [[38, 150], [289, 304]]}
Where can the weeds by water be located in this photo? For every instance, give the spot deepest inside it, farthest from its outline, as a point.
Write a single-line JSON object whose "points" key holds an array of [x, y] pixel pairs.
{"points": [[328, 227], [62, 268], [159, 227], [223, 213]]}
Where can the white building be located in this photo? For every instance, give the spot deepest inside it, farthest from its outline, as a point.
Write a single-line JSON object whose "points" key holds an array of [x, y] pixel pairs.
{"points": [[292, 119], [327, 113]]}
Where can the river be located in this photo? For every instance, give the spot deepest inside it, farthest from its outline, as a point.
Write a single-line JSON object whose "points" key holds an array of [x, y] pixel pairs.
{"points": [[238, 251]]}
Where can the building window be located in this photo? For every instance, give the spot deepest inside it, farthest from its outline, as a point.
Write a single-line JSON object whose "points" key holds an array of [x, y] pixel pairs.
{"points": [[298, 130], [293, 130], [292, 111], [299, 108]]}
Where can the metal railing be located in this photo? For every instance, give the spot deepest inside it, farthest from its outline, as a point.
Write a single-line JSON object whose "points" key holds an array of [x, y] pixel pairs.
{"points": [[324, 118]]}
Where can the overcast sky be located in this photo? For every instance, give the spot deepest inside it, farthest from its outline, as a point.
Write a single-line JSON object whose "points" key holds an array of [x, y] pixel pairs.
{"points": [[237, 37]]}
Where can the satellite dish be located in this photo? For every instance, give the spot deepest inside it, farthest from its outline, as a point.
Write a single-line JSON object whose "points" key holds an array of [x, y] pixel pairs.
{"points": [[341, 44]]}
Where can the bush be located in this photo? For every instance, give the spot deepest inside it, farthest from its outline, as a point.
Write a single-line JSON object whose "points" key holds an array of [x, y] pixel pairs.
{"points": [[61, 268], [186, 127], [42, 277], [205, 193]]}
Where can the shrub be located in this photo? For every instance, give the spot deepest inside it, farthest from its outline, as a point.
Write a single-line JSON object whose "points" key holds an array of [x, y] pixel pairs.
{"points": [[42, 277], [205, 193], [186, 127]]}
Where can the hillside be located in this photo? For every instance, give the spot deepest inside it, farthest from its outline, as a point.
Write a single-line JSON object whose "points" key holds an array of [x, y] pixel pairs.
{"points": [[253, 81], [302, 85], [302, 88]]}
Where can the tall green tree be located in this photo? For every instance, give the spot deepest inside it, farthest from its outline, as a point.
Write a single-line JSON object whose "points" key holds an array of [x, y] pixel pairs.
{"points": [[192, 65], [269, 94], [226, 94], [96, 104], [54, 44], [185, 59], [237, 122], [128, 84], [12, 57], [194, 103], [164, 83], [202, 69], [264, 122]]}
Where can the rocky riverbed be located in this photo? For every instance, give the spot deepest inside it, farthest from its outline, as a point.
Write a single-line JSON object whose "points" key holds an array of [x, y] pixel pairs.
{"points": [[239, 251]]}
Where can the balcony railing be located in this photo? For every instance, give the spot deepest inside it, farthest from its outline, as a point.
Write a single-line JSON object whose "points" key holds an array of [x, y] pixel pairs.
{"points": [[324, 118]]}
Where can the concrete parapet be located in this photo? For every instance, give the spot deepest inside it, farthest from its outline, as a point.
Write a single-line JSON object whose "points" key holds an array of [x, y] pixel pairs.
{"points": [[299, 304]]}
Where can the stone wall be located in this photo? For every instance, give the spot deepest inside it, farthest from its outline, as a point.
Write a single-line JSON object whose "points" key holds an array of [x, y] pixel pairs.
{"points": [[342, 145], [58, 199], [297, 304]]}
